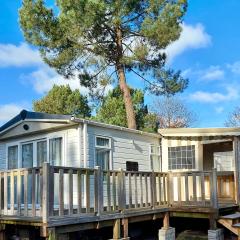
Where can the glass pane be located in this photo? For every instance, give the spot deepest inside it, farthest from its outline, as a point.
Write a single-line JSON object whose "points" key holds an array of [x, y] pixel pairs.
{"points": [[103, 142], [55, 151], [102, 158], [12, 157], [41, 152], [27, 155]]}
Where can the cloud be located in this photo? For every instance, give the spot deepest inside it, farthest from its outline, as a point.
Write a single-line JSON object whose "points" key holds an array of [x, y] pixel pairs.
{"points": [[212, 73], [18, 56], [10, 110], [235, 67], [192, 37], [43, 79], [215, 97]]}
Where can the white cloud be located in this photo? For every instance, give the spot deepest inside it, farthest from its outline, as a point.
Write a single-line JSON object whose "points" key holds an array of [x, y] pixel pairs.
{"points": [[215, 97], [192, 37], [18, 56], [10, 110], [44, 78], [212, 73], [235, 67]]}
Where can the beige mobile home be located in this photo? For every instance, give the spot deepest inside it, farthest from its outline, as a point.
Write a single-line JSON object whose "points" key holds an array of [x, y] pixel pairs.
{"points": [[63, 174]]}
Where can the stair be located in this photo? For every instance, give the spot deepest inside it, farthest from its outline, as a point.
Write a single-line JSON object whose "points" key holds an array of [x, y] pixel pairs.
{"points": [[231, 222]]}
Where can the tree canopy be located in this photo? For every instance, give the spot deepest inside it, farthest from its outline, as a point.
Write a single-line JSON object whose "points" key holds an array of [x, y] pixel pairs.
{"points": [[62, 100], [112, 110], [172, 112], [97, 40]]}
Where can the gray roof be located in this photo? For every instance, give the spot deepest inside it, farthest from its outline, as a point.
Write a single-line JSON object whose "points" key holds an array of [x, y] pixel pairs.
{"points": [[24, 115]]}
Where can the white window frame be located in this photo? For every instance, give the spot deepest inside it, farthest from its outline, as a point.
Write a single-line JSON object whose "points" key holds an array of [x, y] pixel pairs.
{"points": [[158, 155], [103, 147], [34, 141]]}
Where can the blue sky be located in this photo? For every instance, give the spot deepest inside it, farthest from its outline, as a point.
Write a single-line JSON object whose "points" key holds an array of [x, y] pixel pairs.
{"points": [[208, 53]]}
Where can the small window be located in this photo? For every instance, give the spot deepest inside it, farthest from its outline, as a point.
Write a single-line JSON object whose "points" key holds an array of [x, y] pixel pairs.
{"points": [[103, 152], [155, 158], [132, 166], [102, 142], [41, 152], [13, 157], [55, 151], [182, 157], [27, 155]]}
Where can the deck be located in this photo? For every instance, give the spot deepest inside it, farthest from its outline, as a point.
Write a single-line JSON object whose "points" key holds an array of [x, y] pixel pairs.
{"points": [[73, 199]]}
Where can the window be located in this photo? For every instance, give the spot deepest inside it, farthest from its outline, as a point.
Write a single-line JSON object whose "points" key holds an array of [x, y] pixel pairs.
{"points": [[132, 166], [155, 158], [182, 157], [55, 151], [41, 152], [12, 157], [27, 155], [102, 152]]}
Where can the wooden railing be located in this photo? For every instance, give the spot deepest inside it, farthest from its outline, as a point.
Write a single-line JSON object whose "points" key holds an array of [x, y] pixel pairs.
{"points": [[52, 191], [207, 188]]}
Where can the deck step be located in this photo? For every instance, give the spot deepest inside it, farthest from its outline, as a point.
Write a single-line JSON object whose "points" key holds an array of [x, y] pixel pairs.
{"points": [[231, 216]]}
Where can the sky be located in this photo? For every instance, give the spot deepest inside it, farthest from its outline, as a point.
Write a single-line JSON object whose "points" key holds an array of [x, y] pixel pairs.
{"points": [[207, 53]]}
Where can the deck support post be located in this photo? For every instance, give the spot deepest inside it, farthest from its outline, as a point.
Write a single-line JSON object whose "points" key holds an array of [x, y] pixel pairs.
{"points": [[125, 228], [166, 232], [3, 232], [117, 229]]}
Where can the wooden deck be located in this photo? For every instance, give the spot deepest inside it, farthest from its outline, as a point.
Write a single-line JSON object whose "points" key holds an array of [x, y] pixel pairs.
{"points": [[82, 198]]}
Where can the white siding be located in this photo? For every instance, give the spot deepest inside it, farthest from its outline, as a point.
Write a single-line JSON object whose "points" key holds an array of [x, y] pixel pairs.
{"points": [[2, 155], [125, 147]]}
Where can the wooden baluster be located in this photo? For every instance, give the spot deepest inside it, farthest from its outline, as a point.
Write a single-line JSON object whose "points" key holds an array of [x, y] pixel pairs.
{"points": [[121, 190], [141, 191], [1, 193], [79, 191], [194, 188], [33, 192], [159, 189], [6, 193], [146, 188], [99, 190], [179, 186], [12, 188], [130, 189], [87, 191], [170, 188], [19, 188], [165, 176], [114, 191], [108, 192], [136, 190], [61, 192], [26, 193], [153, 189], [186, 189], [203, 188], [70, 192]]}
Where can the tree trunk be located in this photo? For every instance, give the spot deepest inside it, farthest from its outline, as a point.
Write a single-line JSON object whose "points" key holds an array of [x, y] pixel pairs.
{"points": [[131, 118]]}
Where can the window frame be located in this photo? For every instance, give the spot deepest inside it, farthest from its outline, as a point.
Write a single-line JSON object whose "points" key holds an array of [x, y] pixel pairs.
{"points": [[193, 146], [103, 147], [35, 141], [159, 154]]}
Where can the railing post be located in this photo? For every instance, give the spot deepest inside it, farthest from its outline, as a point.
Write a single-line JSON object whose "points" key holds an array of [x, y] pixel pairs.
{"points": [[45, 192], [214, 199], [153, 189], [121, 190], [98, 190], [170, 189]]}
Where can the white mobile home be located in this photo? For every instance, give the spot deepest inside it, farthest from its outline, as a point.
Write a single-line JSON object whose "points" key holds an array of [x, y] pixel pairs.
{"points": [[32, 138], [53, 166]]}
